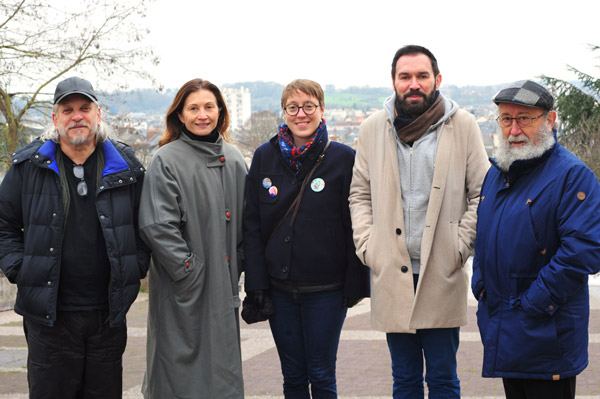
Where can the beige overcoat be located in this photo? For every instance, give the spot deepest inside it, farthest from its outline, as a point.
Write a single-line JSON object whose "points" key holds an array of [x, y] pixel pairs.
{"points": [[461, 163]]}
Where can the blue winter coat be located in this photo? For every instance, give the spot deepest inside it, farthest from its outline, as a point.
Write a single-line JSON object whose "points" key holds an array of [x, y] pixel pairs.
{"points": [[538, 239], [319, 247], [31, 223]]}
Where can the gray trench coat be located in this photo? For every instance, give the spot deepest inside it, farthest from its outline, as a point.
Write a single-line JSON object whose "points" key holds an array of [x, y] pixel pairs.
{"points": [[191, 217]]}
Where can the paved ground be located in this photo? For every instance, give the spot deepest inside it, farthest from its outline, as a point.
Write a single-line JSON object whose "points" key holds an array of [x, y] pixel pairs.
{"points": [[363, 366]]}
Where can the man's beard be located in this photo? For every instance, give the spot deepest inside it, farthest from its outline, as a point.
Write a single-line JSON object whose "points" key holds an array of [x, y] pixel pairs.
{"points": [[415, 110], [80, 140], [506, 155]]}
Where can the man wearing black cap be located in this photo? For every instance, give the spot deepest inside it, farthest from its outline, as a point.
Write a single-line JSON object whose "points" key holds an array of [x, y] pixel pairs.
{"points": [[538, 239], [69, 240]]}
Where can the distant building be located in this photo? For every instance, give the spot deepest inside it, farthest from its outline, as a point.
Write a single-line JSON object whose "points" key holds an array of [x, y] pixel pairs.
{"points": [[239, 106]]}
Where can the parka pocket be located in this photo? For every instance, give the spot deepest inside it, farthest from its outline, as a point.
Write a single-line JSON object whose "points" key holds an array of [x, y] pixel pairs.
{"points": [[189, 287], [483, 317], [527, 344]]}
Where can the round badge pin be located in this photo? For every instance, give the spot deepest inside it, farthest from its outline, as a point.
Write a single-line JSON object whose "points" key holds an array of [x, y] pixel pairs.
{"points": [[267, 183], [317, 185], [273, 191]]}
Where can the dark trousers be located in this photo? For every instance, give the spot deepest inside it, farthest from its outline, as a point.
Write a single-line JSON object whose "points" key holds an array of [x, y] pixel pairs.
{"points": [[518, 388], [306, 329], [80, 357]]}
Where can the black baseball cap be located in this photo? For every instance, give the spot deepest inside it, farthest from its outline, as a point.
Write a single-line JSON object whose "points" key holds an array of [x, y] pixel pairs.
{"points": [[74, 85]]}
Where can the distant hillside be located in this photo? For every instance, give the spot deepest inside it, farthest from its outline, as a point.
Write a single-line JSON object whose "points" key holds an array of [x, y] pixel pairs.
{"points": [[149, 101], [267, 96]]}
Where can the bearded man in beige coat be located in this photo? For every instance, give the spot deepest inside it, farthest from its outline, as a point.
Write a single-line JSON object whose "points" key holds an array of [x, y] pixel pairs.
{"points": [[419, 167]]}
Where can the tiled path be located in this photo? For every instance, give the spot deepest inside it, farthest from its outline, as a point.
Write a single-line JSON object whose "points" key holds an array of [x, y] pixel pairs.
{"points": [[363, 366]]}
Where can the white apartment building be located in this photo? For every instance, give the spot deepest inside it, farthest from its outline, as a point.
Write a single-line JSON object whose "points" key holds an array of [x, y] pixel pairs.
{"points": [[238, 105]]}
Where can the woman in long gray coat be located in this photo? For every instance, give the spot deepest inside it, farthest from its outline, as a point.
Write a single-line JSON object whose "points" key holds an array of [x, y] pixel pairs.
{"points": [[191, 217]]}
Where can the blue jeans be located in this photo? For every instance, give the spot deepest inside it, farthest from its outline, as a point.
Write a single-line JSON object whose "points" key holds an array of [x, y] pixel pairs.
{"points": [[439, 345], [306, 329]]}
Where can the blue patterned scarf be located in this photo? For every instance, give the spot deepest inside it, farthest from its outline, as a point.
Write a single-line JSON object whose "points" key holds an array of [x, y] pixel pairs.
{"points": [[294, 156]]}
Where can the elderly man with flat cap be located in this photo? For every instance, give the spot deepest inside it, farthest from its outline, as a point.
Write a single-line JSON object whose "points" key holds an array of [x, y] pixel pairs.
{"points": [[69, 240], [538, 239]]}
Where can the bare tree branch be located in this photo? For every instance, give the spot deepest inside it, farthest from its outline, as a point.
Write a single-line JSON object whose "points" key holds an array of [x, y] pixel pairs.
{"points": [[42, 42]]}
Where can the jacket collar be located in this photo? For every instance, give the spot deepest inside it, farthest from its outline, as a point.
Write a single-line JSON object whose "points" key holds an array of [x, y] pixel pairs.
{"points": [[204, 147], [43, 153], [311, 156], [523, 166]]}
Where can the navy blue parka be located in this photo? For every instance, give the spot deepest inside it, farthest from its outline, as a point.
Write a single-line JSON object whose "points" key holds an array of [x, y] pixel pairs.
{"points": [[31, 223], [319, 247], [538, 239]]}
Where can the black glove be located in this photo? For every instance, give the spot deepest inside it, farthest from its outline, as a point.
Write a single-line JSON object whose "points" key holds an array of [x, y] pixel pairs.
{"points": [[257, 306], [351, 301]]}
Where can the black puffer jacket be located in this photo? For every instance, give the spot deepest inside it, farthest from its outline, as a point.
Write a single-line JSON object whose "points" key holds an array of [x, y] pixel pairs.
{"points": [[31, 220]]}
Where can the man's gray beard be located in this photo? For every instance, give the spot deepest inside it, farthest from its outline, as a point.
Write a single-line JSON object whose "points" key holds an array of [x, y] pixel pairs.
{"points": [[80, 140], [505, 155]]}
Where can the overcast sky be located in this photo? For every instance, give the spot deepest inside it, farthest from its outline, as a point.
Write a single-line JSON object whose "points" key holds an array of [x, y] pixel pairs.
{"points": [[352, 43]]}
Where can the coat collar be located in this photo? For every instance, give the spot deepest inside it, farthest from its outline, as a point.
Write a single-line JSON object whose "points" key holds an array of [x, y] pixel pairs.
{"points": [[43, 153], [204, 147], [523, 166]]}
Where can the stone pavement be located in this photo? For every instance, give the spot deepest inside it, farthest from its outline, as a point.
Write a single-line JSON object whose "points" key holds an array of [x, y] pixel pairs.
{"points": [[363, 367]]}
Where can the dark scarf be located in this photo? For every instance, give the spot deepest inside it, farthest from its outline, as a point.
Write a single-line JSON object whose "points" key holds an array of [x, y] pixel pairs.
{"points": [[292, 155], [410, 130], [211, 137]]}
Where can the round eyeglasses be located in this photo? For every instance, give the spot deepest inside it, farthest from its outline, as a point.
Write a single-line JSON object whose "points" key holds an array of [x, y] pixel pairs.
{"points": [[309, 109], [523, 121]]}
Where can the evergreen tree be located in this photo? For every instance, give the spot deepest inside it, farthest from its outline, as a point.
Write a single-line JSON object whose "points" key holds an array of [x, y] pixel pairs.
{"points": [[578, 106]]}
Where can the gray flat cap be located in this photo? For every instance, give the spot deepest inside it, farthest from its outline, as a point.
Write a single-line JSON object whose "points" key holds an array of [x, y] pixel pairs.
{"points": [[74, 85], [527, 93]]}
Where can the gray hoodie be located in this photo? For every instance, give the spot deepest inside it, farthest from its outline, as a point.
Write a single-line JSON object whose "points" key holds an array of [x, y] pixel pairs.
{"points": [[416, 165]]}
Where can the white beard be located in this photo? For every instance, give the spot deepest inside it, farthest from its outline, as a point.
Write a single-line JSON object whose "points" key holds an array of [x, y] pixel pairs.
{"points": [[506, 155], [81, 140]]}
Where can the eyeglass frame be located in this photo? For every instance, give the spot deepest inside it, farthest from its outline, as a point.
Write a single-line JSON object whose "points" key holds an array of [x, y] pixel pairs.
{"points": [[299, 107], [519, 119], [82, 188]]}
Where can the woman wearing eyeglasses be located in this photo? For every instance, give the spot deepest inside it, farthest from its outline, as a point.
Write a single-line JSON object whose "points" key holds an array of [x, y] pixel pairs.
{"points": [[301, 268], [191, 217]]}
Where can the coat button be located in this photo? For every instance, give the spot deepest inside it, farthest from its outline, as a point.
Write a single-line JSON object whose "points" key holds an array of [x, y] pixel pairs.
{"points": [[398, 231], [222, 159], [228, 214], [120, 181], [49, 282], [293, 181], [404, 269], [551, 307], [284, 269], [287, 239]]}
